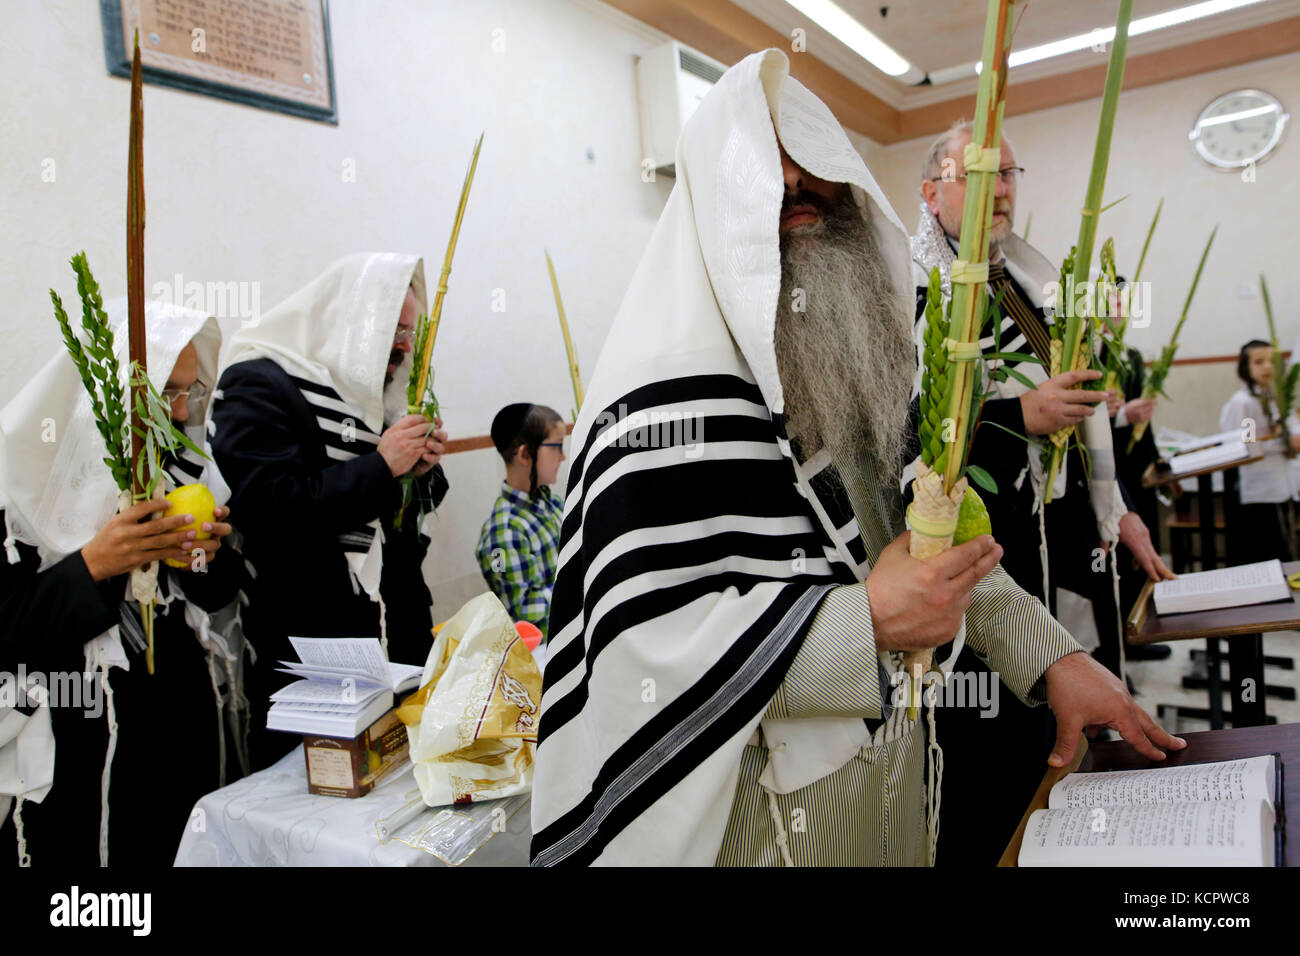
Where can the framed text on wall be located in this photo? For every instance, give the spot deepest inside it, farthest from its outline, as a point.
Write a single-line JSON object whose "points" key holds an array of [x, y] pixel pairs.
{"points": [[272, 54]]}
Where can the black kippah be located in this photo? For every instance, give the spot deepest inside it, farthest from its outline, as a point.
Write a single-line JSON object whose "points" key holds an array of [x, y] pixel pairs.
{"points": [[507, 425]]}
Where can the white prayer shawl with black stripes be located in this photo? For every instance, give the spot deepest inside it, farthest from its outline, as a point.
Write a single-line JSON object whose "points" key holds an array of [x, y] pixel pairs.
{"points": [[333, 338], [694, 549]]}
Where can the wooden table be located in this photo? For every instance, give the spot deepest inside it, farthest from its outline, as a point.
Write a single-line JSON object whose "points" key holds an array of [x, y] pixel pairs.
{"points": [[1204, 747], [1244, 625]]}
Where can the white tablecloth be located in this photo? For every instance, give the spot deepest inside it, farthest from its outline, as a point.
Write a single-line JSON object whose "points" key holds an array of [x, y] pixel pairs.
{"points": [[269, 819]]}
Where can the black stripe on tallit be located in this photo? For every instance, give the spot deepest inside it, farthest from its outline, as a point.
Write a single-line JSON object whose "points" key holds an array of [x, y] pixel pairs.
{"points": [[683, 492], [307, 385], [342, 417], [677, 492], [660, 601], [359, 540], [670, 495], [358, 446], [830, 492], [684, 734], [638, 610], [691, 388]]}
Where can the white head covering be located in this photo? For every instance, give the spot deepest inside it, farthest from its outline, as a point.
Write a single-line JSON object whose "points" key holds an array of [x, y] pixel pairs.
{"points": [[338, 329]]}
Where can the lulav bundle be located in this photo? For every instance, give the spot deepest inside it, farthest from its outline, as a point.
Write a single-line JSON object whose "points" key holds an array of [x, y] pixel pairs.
{"points": [[1073, 337], [934, 379], [952, 360]]}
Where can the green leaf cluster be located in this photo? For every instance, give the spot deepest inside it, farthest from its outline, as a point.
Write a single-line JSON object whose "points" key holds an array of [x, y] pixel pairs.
{"points": [[100, 372], [935, 378]]}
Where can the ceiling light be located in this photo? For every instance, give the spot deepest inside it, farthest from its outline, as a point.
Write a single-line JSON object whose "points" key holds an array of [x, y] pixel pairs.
{"points": [[1100, 36], [832, 18]]}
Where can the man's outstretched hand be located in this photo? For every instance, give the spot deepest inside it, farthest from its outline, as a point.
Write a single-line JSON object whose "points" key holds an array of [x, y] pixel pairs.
{"points": [[1084, 695]]}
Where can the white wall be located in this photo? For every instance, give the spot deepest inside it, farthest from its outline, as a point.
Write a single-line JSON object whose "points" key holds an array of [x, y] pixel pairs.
{"points": [[1150, 158], [246, 195]]}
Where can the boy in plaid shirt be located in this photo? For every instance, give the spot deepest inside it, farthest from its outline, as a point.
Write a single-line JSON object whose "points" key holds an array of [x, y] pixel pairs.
{"points": [[519, 547]]}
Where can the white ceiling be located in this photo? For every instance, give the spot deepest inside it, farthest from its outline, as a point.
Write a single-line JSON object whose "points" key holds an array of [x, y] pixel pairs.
{"points": [[938, 34]]}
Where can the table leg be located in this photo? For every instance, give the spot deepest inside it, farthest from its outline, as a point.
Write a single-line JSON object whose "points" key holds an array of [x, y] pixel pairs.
{"points": [[1214, 682], [1205, 505], [1231, 518], [1246, 662]]}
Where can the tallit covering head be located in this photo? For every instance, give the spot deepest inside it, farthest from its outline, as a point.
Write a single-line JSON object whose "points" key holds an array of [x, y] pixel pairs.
{"points": [[691, 563], [56, 490], [338, 329]]}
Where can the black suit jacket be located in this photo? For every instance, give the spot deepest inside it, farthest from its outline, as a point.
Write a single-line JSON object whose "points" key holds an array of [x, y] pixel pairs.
{"points": [[291, 501]]}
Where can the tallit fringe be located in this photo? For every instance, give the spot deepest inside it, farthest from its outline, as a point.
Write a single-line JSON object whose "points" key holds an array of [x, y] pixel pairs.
{"points": [[383, 622], [24, 858], [240, 716], [782, 839], [1042, 550], [111, 714], [221, 723], [933, 767], [1119, 613], [11, 545]]}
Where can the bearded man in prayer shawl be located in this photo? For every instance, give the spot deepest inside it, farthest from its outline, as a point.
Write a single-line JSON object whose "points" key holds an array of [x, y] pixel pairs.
{"points": [[1054, 552], [135, 750], [732, 598], [312, 434]]}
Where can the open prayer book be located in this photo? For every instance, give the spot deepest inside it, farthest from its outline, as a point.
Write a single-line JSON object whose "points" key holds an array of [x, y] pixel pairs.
{"points": [[1223, 587], [347, 683], [1210, 814], [1208, 457]]}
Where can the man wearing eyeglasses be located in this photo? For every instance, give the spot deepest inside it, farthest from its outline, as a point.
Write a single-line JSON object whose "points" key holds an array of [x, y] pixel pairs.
{"points": [[313, 436], [1058, 552]]}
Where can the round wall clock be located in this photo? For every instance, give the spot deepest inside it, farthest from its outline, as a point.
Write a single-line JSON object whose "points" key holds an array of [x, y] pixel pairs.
{"points": [[1239, 128]]}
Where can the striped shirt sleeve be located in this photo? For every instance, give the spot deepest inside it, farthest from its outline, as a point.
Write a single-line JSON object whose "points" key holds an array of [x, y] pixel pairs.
{"points": [[1013, 632], [836, 672]]}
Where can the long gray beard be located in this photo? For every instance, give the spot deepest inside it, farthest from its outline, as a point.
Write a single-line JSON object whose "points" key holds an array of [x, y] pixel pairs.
{"points": [[846, 360]]}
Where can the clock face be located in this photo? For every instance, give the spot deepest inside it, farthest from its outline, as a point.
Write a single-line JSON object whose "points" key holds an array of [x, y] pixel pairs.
{"points": [[1239, 128]]}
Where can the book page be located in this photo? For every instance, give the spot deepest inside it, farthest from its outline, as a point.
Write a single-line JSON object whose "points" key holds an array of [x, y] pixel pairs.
{"points": [[1208, 458], [1229, 833], [1250, 778], [399, 674], [360, 656], [318, 692], [1223, 587]]}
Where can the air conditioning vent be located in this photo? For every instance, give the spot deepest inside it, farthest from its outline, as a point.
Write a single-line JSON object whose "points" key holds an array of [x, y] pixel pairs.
{"points": [[671, 82]]}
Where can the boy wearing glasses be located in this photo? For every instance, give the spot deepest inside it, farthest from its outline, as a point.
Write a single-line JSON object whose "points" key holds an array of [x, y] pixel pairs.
{"points": [[519, 547]]}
